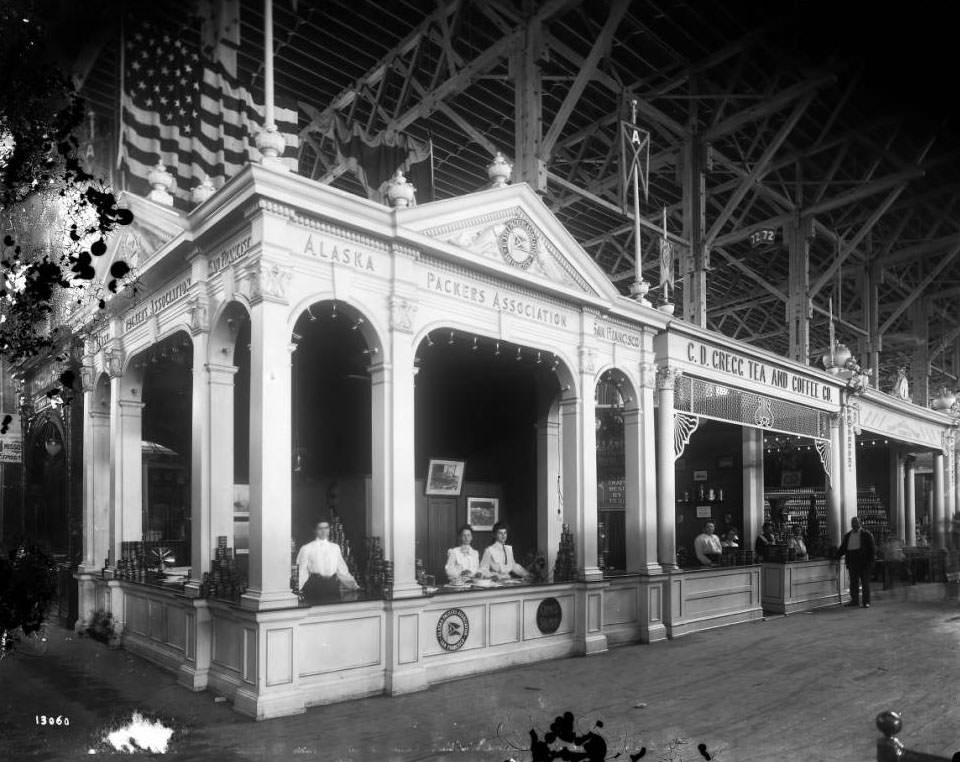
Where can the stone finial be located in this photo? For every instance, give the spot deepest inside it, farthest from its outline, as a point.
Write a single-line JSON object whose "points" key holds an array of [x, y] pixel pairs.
{"points": [[271, 144], [499, 171], [203, 191], [161, 181], [400, 193]]}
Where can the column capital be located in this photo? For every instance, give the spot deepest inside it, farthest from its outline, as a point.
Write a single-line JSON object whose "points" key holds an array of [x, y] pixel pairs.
{"points": [[130, 405], [199, 315], [648, 375], [667, 377], [402, 312], [262, 280]]}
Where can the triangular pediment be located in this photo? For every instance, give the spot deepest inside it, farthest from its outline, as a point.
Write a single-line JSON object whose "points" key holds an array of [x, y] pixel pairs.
{"points": [[153, 226], [512, 229]]}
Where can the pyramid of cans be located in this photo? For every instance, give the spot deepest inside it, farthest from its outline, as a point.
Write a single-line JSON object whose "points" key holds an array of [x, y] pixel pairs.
{"points": [[565, 568], [378, 576], [339, 536], [224, 579], [132, 564]]}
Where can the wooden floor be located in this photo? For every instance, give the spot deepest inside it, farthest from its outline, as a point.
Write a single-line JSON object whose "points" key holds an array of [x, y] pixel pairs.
{"points": [[803, 687]]}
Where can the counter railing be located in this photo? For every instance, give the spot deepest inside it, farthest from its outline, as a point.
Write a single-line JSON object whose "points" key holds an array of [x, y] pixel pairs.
{"points": [[891, 749]]}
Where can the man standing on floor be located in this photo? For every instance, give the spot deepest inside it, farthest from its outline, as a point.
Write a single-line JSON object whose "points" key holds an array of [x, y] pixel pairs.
{"points": [[860, 551]]}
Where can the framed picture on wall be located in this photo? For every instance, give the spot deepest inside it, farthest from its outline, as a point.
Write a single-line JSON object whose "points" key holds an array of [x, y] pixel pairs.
{"points": [[483, 513], [791, 478], [699, 476], [445, 477]]}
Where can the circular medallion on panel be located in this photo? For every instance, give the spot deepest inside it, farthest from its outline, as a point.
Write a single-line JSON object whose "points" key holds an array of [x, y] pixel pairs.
{"points": [[453, 627], [519, 243]]}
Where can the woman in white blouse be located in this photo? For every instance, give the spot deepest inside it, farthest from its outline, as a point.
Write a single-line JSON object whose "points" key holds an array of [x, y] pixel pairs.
{"points": [[498, 557], [463, 562]]}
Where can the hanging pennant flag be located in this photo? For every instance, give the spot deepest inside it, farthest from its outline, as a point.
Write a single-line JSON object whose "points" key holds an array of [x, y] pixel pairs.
{"points": [[666, 256], [634, 158]]}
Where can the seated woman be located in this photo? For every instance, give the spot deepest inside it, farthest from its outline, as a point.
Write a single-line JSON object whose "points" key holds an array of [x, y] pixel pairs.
{"points": [[497, 561], [795, 542], [463, 561], [707, 546], [730, 540]]}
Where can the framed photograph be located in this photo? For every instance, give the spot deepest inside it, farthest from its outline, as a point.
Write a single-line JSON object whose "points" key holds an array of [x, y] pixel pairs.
{"points": [[445, 477], [725, 461], [699, 476], [791, 478], [483, 513], [704, 512]]}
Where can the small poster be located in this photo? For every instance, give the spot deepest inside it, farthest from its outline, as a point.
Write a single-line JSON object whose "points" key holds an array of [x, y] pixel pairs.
{"points": [[704, 512]]}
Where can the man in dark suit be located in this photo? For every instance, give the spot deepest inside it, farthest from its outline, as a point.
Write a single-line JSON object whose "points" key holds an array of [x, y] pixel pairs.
{"points": [[860, 551]]}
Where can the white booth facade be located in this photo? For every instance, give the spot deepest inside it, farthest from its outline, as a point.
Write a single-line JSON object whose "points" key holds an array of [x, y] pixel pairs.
{"points": [[206, 396]]}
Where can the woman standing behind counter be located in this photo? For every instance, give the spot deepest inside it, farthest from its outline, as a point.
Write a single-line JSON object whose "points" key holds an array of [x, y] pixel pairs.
{"points": [[498, 557], [463, 562]]}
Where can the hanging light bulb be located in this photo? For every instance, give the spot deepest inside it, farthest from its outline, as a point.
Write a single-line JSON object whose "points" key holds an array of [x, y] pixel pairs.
{"points": [[358, 323], [475, 347], [429, 341], [333, 312], [496, 352], [519, 356], [312, 317], [450, 341], [539, 359]]}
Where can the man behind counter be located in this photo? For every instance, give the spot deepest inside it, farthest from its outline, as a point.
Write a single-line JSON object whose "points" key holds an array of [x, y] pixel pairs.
{"points": [[707, 546], [321, 569]]}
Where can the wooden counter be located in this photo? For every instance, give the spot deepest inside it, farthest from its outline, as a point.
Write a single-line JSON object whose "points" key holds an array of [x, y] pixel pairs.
{"points": [[803, 585]]}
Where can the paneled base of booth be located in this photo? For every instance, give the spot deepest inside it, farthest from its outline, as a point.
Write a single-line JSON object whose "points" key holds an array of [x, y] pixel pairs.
{"points": [[271, 663], [803, 585], [633, 609], [708, 598]]}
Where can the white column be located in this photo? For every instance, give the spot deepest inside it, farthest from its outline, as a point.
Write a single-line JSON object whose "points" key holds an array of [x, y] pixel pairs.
{"points": [[201, 546], [641, 477], [752, 449], [549, 523], [848, 464], [838, 453], [949, 485], [126, 466], [899, 495], [220, 389], [96, 484], [270, 456], [394, 466], [939, 538], [910, 509], [666, 473], [580, 474]]}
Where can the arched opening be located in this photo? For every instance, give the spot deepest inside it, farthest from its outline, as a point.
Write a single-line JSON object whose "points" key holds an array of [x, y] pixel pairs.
{"points": [[46, 517], [331, 442], [480, 407], [167, 421], [613, 395]]}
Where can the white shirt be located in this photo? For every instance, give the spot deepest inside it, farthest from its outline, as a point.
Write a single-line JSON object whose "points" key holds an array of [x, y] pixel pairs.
{"points": [[461, 559], [498, 559], [796, 542], [854, 542], [706, 543], [324, 558]]}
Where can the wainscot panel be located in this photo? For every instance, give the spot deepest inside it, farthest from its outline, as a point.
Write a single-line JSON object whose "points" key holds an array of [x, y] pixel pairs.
{"points": [[338, 645]]}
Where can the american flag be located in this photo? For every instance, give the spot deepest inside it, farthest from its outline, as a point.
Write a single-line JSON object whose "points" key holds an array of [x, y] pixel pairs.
{"points": [[187, 111]]}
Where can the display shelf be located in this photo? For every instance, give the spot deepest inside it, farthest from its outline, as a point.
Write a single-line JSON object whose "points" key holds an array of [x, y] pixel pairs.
{"points": [[794, 507]]}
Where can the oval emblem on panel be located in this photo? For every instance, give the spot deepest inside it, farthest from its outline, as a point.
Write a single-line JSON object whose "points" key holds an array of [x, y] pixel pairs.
{"points": [[453, 628], [549, 616]]}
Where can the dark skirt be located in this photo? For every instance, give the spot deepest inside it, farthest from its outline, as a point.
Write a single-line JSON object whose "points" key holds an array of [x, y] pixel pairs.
{"points": [[319, 589]]}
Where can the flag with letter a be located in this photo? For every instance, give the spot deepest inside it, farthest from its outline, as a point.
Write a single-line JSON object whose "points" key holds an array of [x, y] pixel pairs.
{"points": [[634, 158]]}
